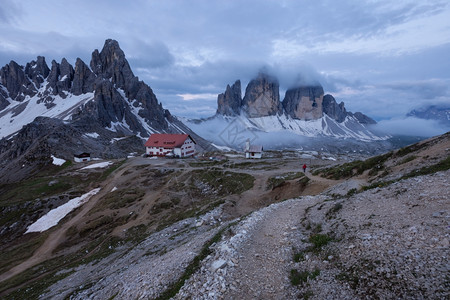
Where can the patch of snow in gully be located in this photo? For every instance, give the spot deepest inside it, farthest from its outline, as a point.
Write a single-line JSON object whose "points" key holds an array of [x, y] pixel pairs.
{"points": [[63, 109], [98, 165], [55, 215], [58, 161]]}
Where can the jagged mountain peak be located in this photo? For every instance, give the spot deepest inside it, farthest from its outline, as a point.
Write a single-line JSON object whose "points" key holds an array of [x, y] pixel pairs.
{"points": [[113, 94], [229, 103], [305, 111], [439, 113], [111, 63], [302, 102]]}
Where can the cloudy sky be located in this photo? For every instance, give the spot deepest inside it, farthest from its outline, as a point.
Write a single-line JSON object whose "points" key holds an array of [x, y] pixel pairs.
{"points": [[383, 58]]}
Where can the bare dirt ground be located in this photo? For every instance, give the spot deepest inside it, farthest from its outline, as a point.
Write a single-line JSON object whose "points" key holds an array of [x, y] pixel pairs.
{"points": [[45, 252], [250, 200]]}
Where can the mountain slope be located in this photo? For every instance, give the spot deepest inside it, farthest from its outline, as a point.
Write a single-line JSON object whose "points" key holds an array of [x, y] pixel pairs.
{"points": [[108, 94]]}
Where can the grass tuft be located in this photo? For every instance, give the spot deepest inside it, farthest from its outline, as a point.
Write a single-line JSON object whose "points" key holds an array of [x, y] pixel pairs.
{"points": [[297, 277]]}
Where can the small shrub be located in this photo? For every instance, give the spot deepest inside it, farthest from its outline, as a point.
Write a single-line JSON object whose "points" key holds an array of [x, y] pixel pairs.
{"points": [[351, 192], [333, 210], [299, 256], [175, 200], [308, 294], [297, 277], [319, 240]]}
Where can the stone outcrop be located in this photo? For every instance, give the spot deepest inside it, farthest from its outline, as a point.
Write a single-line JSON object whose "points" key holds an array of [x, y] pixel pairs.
{"points": [[37, 71], [111, 71], [333, 109], [111, 63], [17, 84], [83, 80], [262, 97], [60, 78], [230, 102], [304, 102], [339, 113]]}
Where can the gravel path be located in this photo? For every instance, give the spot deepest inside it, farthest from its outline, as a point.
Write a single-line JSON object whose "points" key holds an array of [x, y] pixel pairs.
{"points": [[252, 261], [390, 242]]}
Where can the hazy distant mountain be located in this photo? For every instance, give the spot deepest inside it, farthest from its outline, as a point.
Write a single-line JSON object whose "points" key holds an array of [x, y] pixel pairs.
{"points": [[440, 114]]}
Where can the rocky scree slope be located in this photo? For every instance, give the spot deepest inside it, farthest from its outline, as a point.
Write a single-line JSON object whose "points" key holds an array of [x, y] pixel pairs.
{"points": [[378, 240]]}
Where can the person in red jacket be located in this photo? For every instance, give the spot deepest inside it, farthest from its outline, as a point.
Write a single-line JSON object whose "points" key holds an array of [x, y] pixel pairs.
{"points": [[304, 168]]}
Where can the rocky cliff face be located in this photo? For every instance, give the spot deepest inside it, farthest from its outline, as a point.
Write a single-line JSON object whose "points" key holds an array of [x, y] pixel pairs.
{"points": [[16, 84], [339, 113], [60, 78], [230, 102], [304, 103], [333, 109], [301, 103], [262, 97]]}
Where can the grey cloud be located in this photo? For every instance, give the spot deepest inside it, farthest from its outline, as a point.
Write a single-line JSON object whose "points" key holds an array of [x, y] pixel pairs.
{"points": [[9, 11], [153, 54], [411, 126], [426, 89], [200, 46]]}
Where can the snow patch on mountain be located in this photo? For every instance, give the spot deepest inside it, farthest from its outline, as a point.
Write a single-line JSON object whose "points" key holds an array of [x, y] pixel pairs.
{"points": [[19, 114], [98, 165], [57, 161], [234, 131], [93, 135], [55, 215]]}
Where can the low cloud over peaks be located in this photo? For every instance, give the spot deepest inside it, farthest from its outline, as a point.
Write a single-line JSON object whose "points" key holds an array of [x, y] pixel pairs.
{"points": [[412, 126]]}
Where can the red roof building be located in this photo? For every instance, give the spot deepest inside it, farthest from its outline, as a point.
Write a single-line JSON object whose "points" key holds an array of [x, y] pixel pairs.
{"points": [[163, 144]]}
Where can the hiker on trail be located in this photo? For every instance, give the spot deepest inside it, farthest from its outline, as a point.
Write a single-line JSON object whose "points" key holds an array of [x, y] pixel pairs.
{"points": [[304, 168]]}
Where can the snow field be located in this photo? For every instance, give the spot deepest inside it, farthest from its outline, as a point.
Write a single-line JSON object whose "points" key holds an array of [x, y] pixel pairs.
{"points": [[55, 215]]}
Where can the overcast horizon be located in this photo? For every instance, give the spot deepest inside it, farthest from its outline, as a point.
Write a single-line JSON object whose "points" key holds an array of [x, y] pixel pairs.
{"points": [[382, 58]]}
